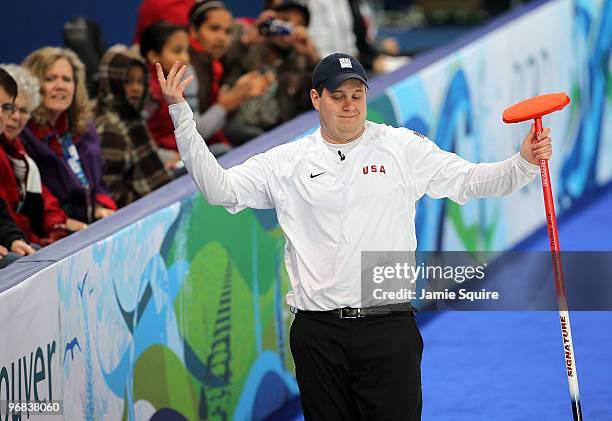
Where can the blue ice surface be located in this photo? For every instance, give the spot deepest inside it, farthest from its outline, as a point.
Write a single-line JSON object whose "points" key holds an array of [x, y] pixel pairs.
{"points": [[509, 366]]}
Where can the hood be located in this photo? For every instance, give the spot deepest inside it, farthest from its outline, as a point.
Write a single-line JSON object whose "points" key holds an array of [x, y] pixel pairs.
{"points": [[113, 74]]}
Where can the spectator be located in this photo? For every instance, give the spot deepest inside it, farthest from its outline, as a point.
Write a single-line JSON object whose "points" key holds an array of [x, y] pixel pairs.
{"points": [[30, 204], [290, 58], [11, 238], [8, 92], [210, 26], [133, 167], [61, 138], [165, 43]]}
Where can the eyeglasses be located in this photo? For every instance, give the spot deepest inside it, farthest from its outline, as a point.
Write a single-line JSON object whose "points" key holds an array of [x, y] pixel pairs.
{"points": [[7, 108], [23, 111]]}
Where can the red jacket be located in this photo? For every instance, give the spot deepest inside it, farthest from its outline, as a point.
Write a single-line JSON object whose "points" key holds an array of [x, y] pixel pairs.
{"points": [[159, 122], [39, 217]]}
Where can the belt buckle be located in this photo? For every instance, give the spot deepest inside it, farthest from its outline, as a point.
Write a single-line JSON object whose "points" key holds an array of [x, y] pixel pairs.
{"points": [[350, 313]]}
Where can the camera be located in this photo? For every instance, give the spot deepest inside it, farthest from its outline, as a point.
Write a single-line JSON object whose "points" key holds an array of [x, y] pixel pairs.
{"points": [[272, 27]]}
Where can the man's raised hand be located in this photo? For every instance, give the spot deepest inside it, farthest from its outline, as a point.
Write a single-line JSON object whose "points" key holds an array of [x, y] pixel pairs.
{"points": [[172, 87]]}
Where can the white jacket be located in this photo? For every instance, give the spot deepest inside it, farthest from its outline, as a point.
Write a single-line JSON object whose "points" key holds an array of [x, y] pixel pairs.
{"points": [[365, 202]]}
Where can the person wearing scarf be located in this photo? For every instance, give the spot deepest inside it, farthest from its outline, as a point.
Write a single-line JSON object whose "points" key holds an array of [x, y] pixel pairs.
{"points": [[12, 241], [61, 138], [30, 204]]}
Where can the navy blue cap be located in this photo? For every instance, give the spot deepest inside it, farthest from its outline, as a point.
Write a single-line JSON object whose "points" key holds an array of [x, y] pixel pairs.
{"points": [[335, 69]]}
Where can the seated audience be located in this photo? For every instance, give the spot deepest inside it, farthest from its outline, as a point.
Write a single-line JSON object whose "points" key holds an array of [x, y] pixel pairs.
{"points": [[133, 167], [31, 205], [62, 139]]}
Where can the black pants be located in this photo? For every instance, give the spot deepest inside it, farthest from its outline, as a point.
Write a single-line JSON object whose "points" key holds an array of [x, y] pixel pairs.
{"points": [[358, 369]]}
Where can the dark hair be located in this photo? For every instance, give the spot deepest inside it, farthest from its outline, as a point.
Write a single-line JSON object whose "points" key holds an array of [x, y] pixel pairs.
{"points": [[199, 11], [319, 89], [8, 83], [294, 5], [155, 36]]}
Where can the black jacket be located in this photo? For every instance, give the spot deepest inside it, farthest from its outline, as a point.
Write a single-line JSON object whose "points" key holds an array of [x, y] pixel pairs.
{"points": [[8, 229]]}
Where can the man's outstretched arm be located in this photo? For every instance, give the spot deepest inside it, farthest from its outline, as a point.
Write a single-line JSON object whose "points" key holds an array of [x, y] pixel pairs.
{"points": [[443, 174], [237, 188]]}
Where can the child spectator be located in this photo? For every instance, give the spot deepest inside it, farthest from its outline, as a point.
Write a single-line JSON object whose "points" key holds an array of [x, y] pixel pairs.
{"points": [[210, 26], [133, 167], [61, 138], [165, 43]]}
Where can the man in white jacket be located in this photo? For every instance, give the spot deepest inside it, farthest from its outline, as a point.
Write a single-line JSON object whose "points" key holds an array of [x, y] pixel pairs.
{"points": [[350, 187]]}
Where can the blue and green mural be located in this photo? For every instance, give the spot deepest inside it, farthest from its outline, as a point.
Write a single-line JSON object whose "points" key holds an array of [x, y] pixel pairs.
{"points": [[194, 329]]}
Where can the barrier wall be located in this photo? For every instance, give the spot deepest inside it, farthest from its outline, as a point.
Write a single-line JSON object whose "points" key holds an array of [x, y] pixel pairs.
{"points": [[176, 308]]}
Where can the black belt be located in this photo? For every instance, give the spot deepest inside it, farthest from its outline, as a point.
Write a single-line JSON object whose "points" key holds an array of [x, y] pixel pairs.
{"points": [[377, 311]]}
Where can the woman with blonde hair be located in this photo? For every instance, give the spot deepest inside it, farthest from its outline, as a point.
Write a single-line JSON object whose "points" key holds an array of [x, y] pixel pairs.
{"points": [[62, 139]]}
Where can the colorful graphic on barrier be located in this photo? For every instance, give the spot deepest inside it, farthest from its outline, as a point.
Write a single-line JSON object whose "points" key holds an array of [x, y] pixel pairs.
{"points": [[193, 325], [182, 315]]}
